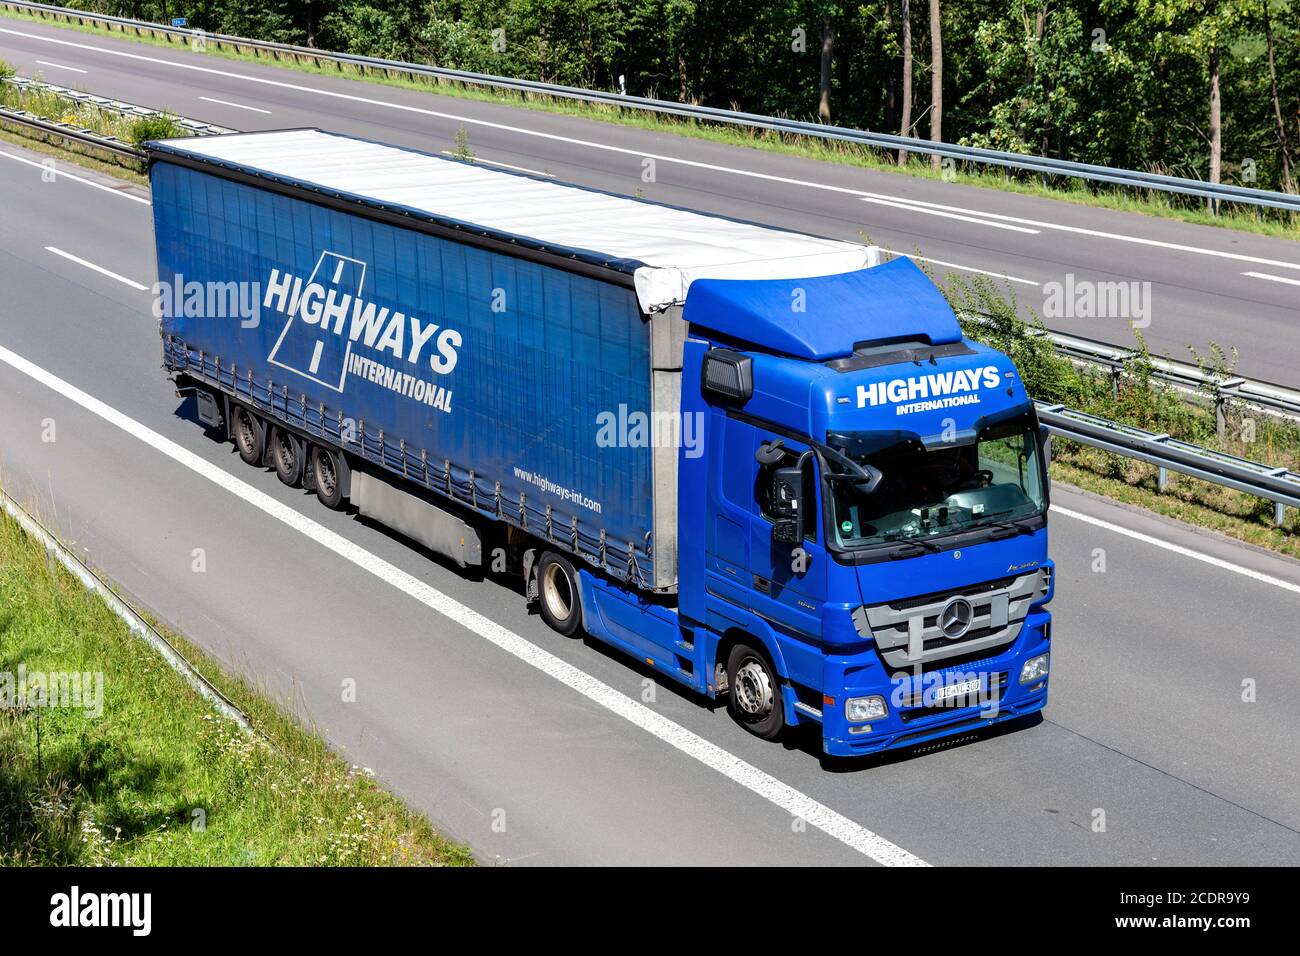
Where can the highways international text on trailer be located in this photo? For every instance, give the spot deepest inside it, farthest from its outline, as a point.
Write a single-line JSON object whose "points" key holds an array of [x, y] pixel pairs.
{"points": [[755, 460]]}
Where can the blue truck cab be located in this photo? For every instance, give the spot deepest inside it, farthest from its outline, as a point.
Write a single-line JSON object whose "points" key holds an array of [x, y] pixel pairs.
{"points": [[900, 588], [763, 464]]}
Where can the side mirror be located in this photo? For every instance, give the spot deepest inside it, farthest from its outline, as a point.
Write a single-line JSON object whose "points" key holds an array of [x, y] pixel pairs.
{"points": [[1045, 444], [787, 506]]}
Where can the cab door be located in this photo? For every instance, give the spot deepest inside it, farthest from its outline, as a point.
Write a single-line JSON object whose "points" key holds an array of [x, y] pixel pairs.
{"points": [[730, 490], [789, 585]]}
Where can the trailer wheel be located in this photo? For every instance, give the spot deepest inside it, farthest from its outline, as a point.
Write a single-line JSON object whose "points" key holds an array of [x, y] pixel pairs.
{"points": [[329, 489], [557, 594], [286, 455], [250, 436], [754, 693]]}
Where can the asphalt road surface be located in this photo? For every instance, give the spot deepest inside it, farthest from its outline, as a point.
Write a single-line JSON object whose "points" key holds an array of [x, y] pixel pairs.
{"points": [[536, 749], [1205, 284]]}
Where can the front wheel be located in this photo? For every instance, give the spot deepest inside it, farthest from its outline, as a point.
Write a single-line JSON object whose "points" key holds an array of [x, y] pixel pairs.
{"points": [[754, 693]]}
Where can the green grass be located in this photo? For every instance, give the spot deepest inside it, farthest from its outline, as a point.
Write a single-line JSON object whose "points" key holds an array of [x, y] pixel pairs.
{"points": [[1153, 203], [1189, 500], [123, 788], [51, 105], [55, 107]]}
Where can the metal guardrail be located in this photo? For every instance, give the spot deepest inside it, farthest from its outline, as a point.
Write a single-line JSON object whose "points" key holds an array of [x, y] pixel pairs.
{"points": [[1184, 376], [72, 134], [1279, 485], [119, 107], [1037, 164]]}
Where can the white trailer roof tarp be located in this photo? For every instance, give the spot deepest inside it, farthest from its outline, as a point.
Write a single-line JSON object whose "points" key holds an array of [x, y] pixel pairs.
{"points": [[665, 248]]}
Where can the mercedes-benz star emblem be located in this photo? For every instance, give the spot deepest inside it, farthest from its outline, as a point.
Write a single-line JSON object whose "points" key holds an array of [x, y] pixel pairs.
{"points": [[955, 618]]}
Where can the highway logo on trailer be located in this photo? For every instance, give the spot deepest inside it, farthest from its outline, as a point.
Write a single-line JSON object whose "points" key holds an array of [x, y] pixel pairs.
{"points": [[329, 326]]}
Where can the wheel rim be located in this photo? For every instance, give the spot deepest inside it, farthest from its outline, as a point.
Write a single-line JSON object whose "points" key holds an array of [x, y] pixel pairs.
{"points": [[753, 689], [325, 477], [284, 451], [557, 592], [245, 432]]}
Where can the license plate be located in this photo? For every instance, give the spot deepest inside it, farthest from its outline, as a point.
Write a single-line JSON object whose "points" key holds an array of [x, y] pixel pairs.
{"points": [[961, 689]]}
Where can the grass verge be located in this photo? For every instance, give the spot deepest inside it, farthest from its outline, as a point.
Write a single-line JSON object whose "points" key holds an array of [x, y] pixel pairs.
{"points": [[1208, 506], [1153, 203], [51, 105], [52, 145], [157, 779]]}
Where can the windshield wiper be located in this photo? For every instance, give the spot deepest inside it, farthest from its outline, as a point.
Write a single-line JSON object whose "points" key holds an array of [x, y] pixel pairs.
{"points": [[1014, 525], [922, 546]]}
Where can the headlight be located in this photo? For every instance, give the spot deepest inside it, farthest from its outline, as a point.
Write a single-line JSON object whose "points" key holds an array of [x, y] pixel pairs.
{"points": [[1034, 669], [858, 709]]}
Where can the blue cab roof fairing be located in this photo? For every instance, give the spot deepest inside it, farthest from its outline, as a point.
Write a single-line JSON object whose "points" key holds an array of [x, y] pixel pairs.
{"points": [[894, 301]]}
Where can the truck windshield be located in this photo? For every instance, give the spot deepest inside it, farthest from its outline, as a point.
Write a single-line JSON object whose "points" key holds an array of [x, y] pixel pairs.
{"points": [[992, 481]]}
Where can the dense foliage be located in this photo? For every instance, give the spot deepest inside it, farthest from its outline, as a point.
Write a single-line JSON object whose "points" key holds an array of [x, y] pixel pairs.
{"points": [[1115, 82]]}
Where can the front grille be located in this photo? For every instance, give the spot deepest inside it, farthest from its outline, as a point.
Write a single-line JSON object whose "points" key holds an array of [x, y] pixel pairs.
{"points": [[971, 591], [907, 633]]}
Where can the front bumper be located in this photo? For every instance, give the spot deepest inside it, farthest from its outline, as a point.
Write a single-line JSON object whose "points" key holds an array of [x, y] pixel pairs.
{"points": [[914, 715]]}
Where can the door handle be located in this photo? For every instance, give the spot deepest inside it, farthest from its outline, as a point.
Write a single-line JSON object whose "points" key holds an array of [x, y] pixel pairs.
{"points": [[762, 585]]}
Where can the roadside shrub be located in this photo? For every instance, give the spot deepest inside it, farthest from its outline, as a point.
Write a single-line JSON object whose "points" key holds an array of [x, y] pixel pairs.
{"points": [[154, 127], [1047, 376]]}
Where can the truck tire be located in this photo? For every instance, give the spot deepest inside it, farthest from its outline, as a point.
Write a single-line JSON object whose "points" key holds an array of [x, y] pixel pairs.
{"points": [[754, 692], [249, 434], [329, 489], [557, 594], [287, 457]]}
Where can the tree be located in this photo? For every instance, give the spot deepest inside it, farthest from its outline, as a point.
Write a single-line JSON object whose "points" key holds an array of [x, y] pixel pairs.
{"points": [[905, 128], [936, 79], [1283, 138], [1204, 29], [824, 84], [891, 80]]}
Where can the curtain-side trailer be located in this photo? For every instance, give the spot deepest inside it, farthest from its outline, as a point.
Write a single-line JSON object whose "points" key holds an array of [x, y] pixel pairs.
{"points": [[755, 460]]}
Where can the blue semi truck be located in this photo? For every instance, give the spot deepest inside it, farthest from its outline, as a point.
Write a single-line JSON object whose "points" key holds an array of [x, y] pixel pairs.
{"points": [[762, 463]]}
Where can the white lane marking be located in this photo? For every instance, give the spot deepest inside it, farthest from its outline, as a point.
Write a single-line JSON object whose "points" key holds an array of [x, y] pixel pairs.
{"points": [[238, 106], [953, 265], [914, 207], [796, 803], [493, 162], [370, 101], [1265, 275], [60, 66], [1179, 549], [1079, 230], [100, 269], [49, 165]]}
